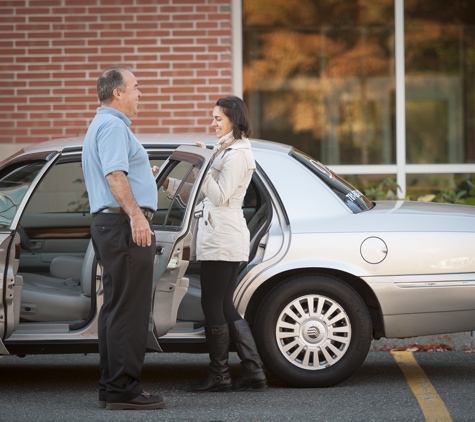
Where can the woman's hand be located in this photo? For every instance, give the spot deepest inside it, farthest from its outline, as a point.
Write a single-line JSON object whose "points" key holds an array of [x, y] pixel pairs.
{"points": [[155, 170], [201, 144]]}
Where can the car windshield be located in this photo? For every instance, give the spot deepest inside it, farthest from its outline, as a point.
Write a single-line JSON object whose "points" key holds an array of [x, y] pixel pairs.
{"points": [[13, 185], [351, 196]]}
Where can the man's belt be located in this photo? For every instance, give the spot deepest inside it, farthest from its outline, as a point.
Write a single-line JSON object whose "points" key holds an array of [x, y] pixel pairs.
{"points": [[119, 210]]}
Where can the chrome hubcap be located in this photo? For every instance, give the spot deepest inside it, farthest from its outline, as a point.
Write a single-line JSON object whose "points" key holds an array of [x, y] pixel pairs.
{"points": [[313, 332]]}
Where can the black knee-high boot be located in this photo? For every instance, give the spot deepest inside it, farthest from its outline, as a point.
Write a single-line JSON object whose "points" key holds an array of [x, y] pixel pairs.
{"points": [[219, 378], [253, 375]]}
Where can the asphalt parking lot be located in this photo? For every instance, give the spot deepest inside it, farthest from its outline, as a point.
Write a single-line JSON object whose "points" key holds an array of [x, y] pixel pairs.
{"points": [[390, 386]]}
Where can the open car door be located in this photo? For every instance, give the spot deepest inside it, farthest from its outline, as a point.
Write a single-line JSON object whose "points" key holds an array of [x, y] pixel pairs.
{"points": [[173, 224], [17, 180]]}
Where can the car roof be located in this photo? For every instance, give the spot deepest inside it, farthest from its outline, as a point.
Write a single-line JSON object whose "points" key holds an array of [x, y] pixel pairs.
{"points": [[171, 140]]}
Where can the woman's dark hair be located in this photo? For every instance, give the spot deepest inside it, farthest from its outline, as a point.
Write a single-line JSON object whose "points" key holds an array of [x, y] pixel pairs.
{"points": [[236, 111], [111, 79]]}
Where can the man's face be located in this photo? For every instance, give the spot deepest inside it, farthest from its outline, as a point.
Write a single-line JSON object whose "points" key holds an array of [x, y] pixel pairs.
{"points": [[129, 99]]}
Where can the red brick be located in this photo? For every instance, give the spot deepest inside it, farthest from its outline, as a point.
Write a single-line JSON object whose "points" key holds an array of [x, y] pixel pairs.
{"points": [[45, 19], [152, 33], [188, 1], [186, 65], [105, 41], [103, 26], [208, 41], [177, 41], [189, 82], [172, 25], [191, 113], [188, 33], [137, 11], [177, 106], [44, 51], [188, 17], [207, 25], [177, 122], [189, 98], [177, 73], [81, 18], [113, 34], [69, 10], [152, 17], [176, 57], [177, 9], [31, 107], [208, 73]]}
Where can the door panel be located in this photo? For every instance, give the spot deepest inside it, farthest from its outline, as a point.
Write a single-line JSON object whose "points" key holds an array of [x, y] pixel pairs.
{"points": [[10, 286], [172, 223]]}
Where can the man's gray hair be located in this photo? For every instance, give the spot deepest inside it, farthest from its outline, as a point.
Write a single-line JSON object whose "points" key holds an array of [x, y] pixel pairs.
{"points": [[110, 80]]}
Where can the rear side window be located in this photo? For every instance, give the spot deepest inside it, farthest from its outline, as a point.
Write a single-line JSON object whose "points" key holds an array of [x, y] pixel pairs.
{"points": [[61, 190], [352, 197]]}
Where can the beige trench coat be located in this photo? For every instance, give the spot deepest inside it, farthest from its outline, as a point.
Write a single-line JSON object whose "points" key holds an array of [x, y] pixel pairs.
{"points": [[222, 233], [222, 230]]}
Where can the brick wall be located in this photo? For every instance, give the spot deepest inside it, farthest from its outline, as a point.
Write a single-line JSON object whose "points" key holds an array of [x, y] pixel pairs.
{"points": [[52, 51]]}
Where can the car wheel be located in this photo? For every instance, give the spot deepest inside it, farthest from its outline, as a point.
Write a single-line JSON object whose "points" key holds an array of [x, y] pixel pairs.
{"points": [[313, 331]]}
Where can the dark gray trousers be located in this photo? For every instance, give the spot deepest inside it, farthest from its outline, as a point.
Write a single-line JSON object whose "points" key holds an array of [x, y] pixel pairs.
{"points": [[124, 316]]}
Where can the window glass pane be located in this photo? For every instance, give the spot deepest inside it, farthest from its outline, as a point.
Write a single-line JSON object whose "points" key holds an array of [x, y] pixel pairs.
{"points": [[458, 188], [61, 190], [440, 81], [350, 196], [319, 75], [176, 202], [375, 187], [13, 185]]}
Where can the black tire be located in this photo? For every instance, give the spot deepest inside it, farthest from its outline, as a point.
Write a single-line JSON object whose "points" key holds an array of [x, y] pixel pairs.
{"points": [[337, 356]]}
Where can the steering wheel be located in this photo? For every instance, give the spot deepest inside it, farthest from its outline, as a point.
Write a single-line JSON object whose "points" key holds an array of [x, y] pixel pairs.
{"points": [[25, 242]]}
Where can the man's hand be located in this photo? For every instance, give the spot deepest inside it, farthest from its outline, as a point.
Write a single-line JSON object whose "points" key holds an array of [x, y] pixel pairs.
{"points": [[141, 233], [155, 170]]}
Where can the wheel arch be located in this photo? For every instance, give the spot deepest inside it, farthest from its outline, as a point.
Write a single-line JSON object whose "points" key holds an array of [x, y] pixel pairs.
{"points": [[360, 286]]}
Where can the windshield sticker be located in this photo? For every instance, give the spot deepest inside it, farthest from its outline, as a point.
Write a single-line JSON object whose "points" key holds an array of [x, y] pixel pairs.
{"points": [[353, 195]]}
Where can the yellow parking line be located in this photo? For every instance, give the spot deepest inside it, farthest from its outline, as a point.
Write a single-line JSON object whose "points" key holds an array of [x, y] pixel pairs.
{"points": [[431, 404]]}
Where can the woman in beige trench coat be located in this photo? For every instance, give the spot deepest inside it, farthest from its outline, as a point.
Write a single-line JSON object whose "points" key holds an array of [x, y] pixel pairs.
{"points": [[222, 243]]}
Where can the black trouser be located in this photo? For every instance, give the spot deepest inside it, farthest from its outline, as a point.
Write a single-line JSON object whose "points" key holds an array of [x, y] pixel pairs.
{"points": [[124, 316], [218, 282]]}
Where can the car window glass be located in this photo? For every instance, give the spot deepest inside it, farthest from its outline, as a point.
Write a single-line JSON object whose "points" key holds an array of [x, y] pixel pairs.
{"points": [[61, 190], [351, 196], [13, 185], [171, 206]]}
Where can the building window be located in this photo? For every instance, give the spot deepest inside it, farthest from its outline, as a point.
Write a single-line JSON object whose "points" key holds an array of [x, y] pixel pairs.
{"points": [[319, 75]]}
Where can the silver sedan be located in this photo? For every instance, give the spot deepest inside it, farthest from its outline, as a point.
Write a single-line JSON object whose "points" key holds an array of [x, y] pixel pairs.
{"points": [[329, 270]]}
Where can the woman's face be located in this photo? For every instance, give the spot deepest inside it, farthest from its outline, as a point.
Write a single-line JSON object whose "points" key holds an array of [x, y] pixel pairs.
{"points": [[221, 122]]}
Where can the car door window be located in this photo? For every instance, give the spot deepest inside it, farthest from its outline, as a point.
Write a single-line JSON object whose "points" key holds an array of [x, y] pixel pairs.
{"points": [[14, 183], [171, 207]]}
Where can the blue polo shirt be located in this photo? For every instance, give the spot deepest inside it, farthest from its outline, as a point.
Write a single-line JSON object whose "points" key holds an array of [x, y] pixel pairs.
{"points": [[109, 146]]}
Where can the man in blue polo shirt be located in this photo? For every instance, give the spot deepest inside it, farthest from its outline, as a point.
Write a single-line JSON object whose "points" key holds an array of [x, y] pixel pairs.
{"points": [[123, 197]]}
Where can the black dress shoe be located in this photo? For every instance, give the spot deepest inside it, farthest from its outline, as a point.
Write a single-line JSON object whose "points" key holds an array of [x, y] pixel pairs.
{"points": [[143, 402]]}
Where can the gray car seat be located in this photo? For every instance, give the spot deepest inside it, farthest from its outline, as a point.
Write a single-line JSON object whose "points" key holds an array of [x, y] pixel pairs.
{"points": [[65, 296]]}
